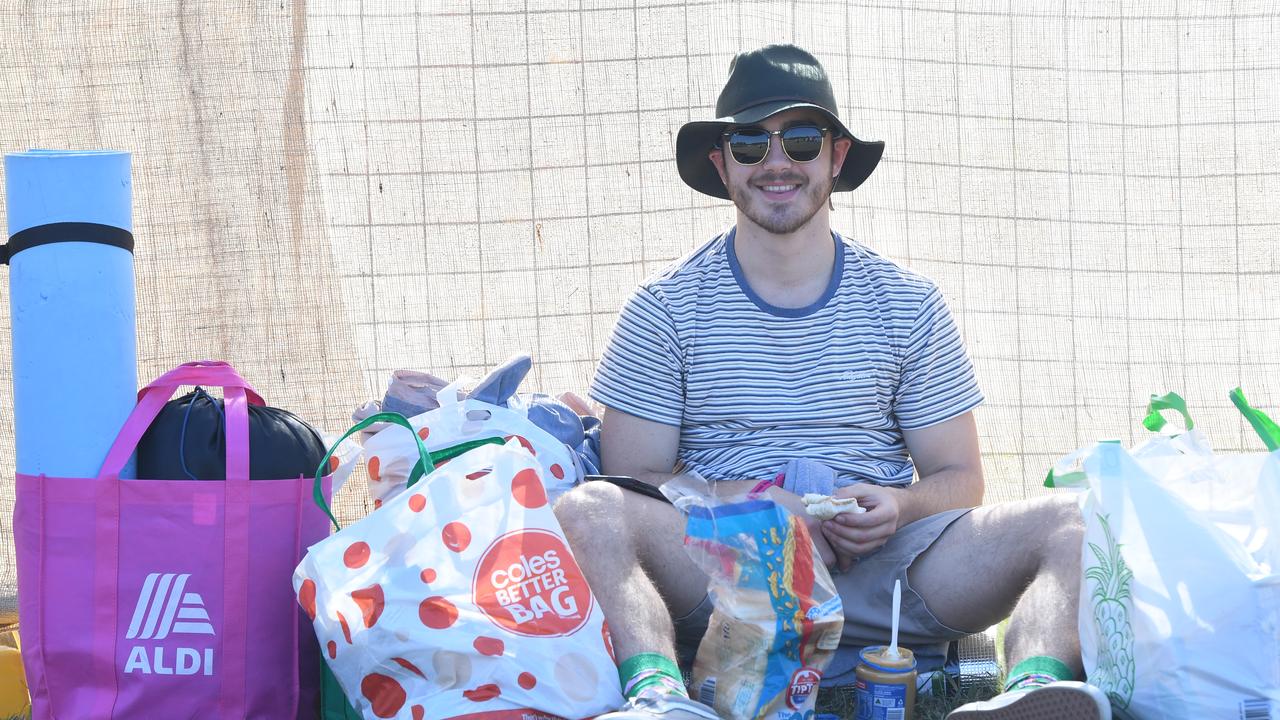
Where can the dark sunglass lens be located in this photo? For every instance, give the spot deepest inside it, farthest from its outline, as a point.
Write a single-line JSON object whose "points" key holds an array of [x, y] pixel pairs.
{"points": [[802, 143], [748, 146]]}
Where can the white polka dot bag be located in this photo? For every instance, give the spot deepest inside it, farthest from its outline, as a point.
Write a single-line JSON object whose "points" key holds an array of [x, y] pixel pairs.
{"points": [[459, 598], [391, 455]]}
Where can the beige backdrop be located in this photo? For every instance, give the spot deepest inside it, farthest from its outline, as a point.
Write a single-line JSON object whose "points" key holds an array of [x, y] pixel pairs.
{"points": [[325, 191]]}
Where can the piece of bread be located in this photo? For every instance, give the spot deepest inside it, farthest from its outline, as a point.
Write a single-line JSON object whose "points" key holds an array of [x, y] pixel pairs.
{"points": [[826, 507]]}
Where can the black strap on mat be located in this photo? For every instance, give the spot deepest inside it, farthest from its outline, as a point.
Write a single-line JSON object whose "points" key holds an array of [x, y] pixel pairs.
{"points": [[632, 484], [65, 232]]}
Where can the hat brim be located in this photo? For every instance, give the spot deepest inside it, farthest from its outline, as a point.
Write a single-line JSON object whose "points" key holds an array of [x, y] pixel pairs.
{"points": [[698, 138]]}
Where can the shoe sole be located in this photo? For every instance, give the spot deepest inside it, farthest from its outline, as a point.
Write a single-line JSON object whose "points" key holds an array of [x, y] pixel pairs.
{"points": [[1049, 703]]}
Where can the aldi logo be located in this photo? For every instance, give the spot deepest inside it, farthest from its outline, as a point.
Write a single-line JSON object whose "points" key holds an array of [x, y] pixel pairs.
{"points": [[166, 608]]}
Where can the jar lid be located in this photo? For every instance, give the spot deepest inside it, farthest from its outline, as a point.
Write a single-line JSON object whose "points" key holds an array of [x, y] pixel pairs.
{"points": [[876, 658]]}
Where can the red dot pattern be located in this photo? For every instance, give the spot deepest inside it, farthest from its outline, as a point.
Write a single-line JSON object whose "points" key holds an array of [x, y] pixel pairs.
{"points": [[424, 433], [437, 613], [374, 466], [334, 463], [307, 597], [417, 502], [527, 680], [333, 650], [482, 693], [419, 712], [385, 695], [371, 602], [346, 629], [527, 489], [523, 443], [357, 555], [456, 536], [557, 471], [608, 641], [410, 667], [428, 576], [493, 647]]}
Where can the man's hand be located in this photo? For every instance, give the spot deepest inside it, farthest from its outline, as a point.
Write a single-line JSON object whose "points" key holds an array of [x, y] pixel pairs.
{"points": [[792, 502], [853, 535]]}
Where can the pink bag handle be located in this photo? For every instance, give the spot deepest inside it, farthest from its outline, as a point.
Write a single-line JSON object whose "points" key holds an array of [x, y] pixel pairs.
{"points": [[151, 400], [217, 373]]}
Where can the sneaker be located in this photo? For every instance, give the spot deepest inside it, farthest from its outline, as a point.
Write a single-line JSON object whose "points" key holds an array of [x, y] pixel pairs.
{"points": [[1063, 700], [650, 704]]}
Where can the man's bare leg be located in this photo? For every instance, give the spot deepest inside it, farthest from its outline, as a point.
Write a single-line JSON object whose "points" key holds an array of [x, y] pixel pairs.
{"points": [[1021, 558], [631, 550]]}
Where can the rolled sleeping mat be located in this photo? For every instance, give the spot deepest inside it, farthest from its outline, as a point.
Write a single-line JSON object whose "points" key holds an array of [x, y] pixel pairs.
{"points": [[71, 305]]}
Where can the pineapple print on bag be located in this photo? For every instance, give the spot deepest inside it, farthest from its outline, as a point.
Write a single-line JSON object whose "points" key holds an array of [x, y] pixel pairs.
{"points": [[1111, 599]]}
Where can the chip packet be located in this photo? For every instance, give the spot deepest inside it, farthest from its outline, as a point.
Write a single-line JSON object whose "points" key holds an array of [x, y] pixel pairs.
{"points": [[777, 617]]}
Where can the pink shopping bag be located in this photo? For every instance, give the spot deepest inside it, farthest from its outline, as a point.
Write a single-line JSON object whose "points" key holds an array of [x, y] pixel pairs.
{"points": [[167, 598]]}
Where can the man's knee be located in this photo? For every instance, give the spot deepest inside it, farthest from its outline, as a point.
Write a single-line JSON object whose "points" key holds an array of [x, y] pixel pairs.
{"points": [[1060, 517], [590, 510]]}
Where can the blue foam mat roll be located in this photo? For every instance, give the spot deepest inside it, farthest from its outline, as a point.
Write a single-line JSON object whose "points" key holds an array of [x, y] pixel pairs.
{"points": [[71, 303]]}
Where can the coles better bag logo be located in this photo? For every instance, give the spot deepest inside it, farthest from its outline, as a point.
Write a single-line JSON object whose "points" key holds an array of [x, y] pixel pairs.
{"points": [[528, 582]]}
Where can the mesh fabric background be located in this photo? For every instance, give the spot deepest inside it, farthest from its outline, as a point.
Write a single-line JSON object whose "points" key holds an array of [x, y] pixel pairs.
{"points": [[327, 191]]}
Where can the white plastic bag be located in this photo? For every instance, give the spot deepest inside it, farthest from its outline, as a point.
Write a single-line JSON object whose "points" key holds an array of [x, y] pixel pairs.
{"points": [[391, 454], [1180, 594], [461, 597]]}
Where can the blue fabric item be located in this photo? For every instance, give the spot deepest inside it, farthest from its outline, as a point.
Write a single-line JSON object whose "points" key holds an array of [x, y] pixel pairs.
{"points": [[502, 382], [555, 417], [802, 475], [588, 453]]}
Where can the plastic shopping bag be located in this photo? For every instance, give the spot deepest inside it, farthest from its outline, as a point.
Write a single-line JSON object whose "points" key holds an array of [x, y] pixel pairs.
{"points": [[1180, 594], [392, 456], [460, 597], [777, 617]]}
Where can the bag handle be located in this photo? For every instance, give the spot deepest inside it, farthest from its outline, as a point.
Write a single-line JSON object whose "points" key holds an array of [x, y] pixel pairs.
{"points": [[1154, 421], [215, 373], [1263, 425], [1061, 475], [237, 396], [426, 458]]}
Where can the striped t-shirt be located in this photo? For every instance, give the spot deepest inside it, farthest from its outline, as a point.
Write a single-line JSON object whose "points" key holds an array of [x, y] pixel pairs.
{"points": [[752, 386]]}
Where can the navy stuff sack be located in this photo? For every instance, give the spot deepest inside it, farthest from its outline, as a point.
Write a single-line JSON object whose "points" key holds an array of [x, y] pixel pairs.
{"points": [[188, 440]]}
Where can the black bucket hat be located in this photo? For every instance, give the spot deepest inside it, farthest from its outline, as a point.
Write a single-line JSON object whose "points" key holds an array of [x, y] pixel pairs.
{"points": [[762, 83]]}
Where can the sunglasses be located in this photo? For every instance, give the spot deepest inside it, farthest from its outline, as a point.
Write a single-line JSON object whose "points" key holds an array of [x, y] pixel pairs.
{"points": [[750, 145]]}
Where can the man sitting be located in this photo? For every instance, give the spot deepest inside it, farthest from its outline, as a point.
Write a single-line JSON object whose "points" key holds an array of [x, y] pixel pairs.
{"points": [[781, 344]]}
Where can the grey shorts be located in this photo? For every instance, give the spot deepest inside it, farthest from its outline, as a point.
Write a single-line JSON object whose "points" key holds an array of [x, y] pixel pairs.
{"points": [[867, 592]]}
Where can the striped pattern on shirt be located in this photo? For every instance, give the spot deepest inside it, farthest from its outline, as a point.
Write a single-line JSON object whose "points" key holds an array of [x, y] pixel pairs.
{"points": [[752, 386]]}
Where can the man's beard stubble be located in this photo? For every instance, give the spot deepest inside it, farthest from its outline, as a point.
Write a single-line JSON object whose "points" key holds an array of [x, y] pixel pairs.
{"points": [[787, 218]]}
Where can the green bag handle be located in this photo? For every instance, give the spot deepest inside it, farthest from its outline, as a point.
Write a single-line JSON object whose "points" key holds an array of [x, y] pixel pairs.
{"points": [[1154, 421], [1073, 478], [1263, 425], [426, 458]]}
